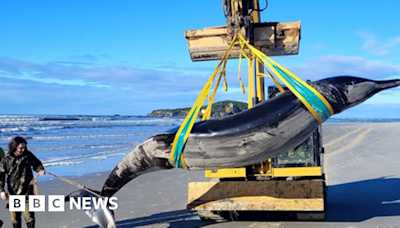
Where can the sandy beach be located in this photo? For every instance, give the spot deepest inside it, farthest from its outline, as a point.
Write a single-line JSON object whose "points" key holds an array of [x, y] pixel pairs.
{"points": [[362, 170]]}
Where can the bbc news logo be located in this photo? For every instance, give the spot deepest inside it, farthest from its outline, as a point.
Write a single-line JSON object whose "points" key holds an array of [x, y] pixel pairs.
{"points": [[57, 203]]}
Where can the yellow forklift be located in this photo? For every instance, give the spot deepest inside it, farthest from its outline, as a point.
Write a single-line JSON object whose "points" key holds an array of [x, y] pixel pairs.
{"points": [[293, 182]]}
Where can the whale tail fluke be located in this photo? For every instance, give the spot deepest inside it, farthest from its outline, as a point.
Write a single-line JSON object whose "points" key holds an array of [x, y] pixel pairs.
{"points": [[149, 156], [103, 216]]}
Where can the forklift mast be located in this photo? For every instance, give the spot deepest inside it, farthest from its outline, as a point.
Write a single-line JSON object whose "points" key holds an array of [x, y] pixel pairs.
{"points": [[240, 15]]}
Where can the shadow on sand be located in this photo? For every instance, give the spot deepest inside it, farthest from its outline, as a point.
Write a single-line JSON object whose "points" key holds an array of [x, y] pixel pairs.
{"points": [[350, 202], [175, 219], [362, 200]]}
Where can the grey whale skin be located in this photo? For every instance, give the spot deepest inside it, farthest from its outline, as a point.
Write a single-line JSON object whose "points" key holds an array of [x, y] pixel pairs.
{"points": [[264, 131], [271, 127]]}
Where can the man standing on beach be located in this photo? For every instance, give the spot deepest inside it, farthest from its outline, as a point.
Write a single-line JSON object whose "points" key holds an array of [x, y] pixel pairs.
{"points": [[17, 167]]}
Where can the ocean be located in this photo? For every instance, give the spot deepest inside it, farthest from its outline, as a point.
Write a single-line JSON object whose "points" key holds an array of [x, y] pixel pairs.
{"points": [[78, 145]]}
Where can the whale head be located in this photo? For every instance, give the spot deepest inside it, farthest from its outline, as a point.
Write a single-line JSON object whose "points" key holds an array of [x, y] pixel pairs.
{"points": [[344, 92]]}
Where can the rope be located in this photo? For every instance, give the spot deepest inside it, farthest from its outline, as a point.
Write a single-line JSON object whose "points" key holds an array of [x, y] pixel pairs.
{"points": [[76, 184], [35, 185]]}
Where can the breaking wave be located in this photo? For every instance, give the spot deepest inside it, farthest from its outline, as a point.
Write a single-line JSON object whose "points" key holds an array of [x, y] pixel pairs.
{"points": [[62, 163], [76, 144]]}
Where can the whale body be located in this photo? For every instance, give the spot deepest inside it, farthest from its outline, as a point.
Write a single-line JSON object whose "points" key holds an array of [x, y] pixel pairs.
{"points": [[270, 128]]}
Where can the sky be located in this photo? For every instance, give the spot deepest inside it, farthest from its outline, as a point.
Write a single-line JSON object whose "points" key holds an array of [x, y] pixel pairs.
{"points": [[120, 57]]}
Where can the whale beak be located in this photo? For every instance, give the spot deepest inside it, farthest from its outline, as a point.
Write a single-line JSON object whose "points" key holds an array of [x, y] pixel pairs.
{"points": [[381, 85]]}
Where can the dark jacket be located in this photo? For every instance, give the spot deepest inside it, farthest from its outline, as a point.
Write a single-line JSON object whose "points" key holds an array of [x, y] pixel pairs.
{"points": [[1, 153], [18, 171]]}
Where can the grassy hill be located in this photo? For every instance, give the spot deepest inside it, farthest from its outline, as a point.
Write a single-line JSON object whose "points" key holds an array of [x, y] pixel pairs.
{"points": [[218, 110]]}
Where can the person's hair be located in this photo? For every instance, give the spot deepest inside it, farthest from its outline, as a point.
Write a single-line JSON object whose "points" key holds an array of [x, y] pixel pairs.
{"points": [[12, 146]]}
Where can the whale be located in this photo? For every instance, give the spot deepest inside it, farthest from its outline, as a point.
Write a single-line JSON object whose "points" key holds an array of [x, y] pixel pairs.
{"points": [[102, 216], [270, 128]]}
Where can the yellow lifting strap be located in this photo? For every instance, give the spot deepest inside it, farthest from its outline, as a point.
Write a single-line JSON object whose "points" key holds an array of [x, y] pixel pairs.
{"points": [[183, 133], [311, 98], [280, 88]]}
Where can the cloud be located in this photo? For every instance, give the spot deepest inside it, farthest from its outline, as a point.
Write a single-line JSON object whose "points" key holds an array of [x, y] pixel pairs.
{"points": [[57, 88], [61, 88], [29, 97], [374, 46], [318, 46], [88, 58], [335, 65], [14, 66], [106, 76]]}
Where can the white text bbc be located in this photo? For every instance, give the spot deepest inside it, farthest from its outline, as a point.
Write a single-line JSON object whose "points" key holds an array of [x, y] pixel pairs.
{"points": [[57, 203]]}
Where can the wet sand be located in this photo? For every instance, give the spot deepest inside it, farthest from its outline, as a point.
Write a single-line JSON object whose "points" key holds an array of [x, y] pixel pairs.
{"points": [[362, 168]]}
